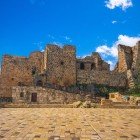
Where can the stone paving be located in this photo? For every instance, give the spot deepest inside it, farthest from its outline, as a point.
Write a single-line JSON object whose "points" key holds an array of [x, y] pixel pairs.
{"points": [[69, 124]]}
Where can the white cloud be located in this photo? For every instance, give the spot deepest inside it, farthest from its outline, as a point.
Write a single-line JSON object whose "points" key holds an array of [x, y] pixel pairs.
{"points": [[113, 51], [60, 38], [124, 4], [114, 21], [41, 49], [84, 56], [127, 40], [58, 44], [67, 39], [40, 46], [107, 51]]}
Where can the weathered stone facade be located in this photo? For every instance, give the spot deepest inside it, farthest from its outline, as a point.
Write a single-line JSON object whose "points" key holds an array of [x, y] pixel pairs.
{"points": [[59, 66], [129, 62], [45, 96], [19, 71]]}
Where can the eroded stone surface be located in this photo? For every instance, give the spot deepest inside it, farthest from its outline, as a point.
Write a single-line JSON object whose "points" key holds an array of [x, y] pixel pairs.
{"points": [[59, 66], [69, 124]]}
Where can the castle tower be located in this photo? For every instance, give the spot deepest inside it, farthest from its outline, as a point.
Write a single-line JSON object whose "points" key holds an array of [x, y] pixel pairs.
{"points": [[60, 65], [136, 57], [125, 56]]}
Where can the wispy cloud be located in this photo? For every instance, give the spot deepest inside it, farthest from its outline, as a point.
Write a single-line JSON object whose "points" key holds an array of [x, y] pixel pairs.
{"points": [[107, 51], [58, 44], [40, 46], [81, 57], [51, 36], [114, 22], [64, 39], [124, 4], [67, 38]]}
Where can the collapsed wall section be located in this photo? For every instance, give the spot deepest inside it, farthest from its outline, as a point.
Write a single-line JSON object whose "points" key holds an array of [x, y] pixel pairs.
{"points": [[92, 69]]}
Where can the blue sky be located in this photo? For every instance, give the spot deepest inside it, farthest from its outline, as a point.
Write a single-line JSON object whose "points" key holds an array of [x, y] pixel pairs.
{"points": [[90, 25]]}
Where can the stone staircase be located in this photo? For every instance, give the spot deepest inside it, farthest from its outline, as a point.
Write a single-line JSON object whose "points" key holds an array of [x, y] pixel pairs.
{"points": [[130, 78]]}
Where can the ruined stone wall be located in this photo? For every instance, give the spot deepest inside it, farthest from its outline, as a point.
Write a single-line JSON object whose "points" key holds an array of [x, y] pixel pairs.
{"points": [[94, 76], [136, 57], [117, 79], [129, 58], [129, 62], [18, 71], [0, 85], [60, 64], [125, 55], [93, 62], [93, 69], [102, 77], [36, 59], [45, 95]]}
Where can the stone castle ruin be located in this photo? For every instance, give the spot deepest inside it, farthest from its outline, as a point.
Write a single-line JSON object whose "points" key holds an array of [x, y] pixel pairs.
{"points": [[37, 75]]}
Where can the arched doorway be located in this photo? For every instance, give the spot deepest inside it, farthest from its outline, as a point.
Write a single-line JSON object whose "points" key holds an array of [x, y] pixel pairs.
{"points": [[34, 97], [82, 66], [93, 66]]}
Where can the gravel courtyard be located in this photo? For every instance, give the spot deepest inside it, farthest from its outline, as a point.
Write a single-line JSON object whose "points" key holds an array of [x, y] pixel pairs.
{"points": [[69, 124]]}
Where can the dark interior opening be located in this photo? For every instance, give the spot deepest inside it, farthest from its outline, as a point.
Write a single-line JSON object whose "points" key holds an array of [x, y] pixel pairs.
{"points": [[93, 66], [34, 97], [33, 70], [82, 66], [20, 84], [39, 83], [21, 94], [62, 63]]}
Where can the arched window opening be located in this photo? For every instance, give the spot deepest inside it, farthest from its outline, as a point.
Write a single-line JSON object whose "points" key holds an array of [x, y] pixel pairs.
{"points": [[21, 94], [39, 83], [93, 66], [20, 84], [12, 79], [62, 63], [82, 66], [33, 70]]}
